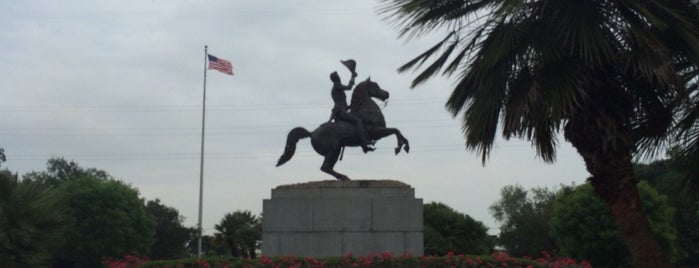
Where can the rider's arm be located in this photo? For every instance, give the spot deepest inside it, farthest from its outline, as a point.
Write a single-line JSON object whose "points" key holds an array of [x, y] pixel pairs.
{"points": [[347, 87], [350, 85]]}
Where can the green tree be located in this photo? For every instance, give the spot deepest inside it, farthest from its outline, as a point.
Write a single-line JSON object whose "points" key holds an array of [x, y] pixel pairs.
{"points": [[447, 230], [525, 229], [584, 229], [609, 75], [110, 221], [170, 235], [33, 218], [669, 180], [109, 217], [241, 231]]}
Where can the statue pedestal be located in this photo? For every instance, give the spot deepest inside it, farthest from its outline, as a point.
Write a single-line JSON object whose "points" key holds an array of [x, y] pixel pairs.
{"points": [[333, 218]]}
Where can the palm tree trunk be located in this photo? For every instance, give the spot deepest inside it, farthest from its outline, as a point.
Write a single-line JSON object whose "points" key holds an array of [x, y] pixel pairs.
{"points": [[251, 251], [609, 162], [232, 247], [616, 185]]}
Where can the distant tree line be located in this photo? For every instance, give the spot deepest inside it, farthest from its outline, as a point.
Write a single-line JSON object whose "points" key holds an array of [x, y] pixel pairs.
{"points": [[70, 216], [573, 221]]}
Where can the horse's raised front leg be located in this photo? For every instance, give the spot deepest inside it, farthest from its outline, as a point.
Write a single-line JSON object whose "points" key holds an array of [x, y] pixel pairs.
{"points": [[329, 165], [378, 133]]}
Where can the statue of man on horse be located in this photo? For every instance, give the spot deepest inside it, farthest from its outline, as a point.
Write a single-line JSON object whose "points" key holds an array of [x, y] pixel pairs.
{"points": [[341, 110], [358, 124]]}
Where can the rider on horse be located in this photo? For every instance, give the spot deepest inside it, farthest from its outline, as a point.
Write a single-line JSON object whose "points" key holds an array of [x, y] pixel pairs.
{"points": [[341, 109]]}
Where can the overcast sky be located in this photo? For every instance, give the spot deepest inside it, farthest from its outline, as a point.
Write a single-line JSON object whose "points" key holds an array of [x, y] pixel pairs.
{"points": [[117, 85]]}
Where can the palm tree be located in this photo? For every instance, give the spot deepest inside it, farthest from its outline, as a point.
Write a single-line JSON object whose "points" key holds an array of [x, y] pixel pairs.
{"points": [[241, 232], [33, 219], [611, 75]]}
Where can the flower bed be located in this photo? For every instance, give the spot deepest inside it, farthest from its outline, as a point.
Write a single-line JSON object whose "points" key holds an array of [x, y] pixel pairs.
{"points": [[371, 261]]}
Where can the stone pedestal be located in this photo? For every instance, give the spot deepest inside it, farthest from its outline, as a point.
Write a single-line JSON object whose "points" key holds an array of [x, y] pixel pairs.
{"points": [[332, 218]]}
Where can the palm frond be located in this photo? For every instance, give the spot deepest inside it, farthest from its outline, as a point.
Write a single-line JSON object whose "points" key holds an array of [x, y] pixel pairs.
{"points": [[581, 24], [460, 96], [435, 66], [481, 118], [687, 140], [563, 86], [522, 94], [456, 62], [543, 135], [502, 41], [654, 115], [417, 17], [419, 60], [687, 163]]}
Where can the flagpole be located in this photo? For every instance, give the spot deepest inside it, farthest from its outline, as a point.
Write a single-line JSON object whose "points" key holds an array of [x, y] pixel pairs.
{"points": [[201, 160]]}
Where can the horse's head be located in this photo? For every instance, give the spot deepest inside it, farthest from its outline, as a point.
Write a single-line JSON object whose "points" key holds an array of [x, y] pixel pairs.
{"points": [[372, 89], [364, 107]]}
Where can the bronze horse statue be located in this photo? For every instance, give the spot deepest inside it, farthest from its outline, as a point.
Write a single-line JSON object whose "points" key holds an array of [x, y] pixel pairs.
{"points": [[329, 138]]}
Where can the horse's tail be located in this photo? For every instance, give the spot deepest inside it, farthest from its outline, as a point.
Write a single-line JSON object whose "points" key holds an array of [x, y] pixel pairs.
{"points": [[291, 139]]}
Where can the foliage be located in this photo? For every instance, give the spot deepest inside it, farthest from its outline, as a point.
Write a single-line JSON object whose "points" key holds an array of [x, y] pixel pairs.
{"points": [[59, 170], [447, 230], [33, 218], [241, 232], [583, 228], [170, 235], [374, 260], [209, 247], [110, 220], [664, 176], [524, 230]]}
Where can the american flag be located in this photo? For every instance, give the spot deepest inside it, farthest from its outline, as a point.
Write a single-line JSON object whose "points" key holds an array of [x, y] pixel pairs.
{"points": [[221, 65]]}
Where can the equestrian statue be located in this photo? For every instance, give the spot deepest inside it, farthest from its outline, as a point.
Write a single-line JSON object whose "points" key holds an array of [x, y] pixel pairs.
{"points": [[361, 123]]}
